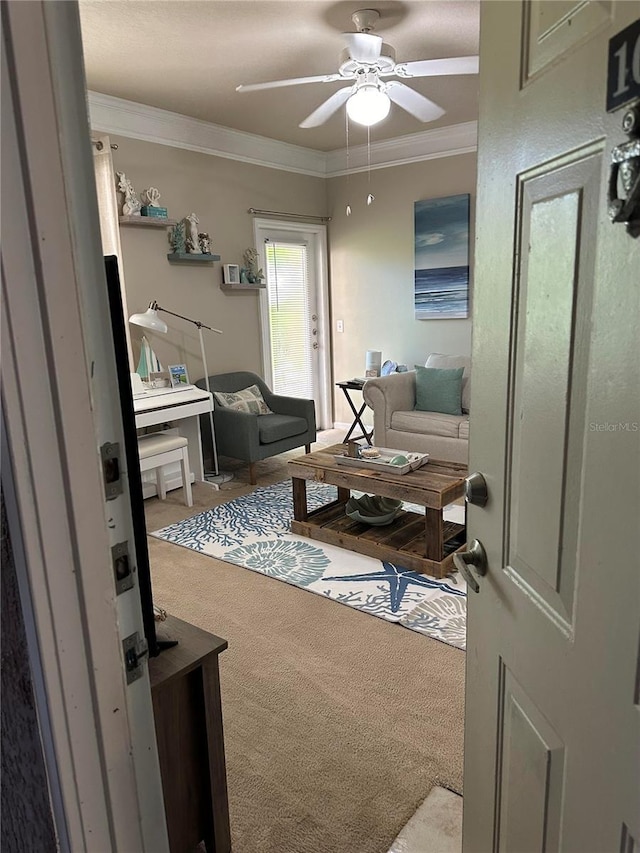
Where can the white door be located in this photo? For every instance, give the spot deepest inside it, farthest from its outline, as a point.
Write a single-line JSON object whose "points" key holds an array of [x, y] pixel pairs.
{"points": [[552, 755], [294, 311]]}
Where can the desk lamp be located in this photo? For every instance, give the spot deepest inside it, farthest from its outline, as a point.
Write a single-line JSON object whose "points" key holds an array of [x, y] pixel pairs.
{"points": [[150, 320]]}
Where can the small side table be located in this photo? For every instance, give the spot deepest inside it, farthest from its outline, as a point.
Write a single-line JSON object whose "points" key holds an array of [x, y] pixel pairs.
{"points": [[185, 690], [350, 385]]}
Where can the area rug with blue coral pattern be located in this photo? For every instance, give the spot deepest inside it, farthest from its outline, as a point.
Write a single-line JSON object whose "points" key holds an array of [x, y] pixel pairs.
{"points": [[253, 531]]}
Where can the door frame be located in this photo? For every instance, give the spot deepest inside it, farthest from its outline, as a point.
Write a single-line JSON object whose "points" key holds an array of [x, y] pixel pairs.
{"points": [[60, 404], [321, 265]]}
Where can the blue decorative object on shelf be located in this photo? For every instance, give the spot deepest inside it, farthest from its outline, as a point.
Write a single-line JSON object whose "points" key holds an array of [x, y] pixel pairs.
{"points": [[157, 212], [178, 239]]}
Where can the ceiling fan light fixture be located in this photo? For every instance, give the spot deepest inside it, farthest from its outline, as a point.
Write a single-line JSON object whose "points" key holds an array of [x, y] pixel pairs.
{"points": [[368, 105]]}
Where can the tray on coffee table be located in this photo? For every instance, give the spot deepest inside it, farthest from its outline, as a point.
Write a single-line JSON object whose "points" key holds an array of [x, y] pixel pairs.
{"points": [[383, 462]]}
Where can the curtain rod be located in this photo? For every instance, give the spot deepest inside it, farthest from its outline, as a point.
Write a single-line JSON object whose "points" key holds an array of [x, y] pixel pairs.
{"points": [[288, 215]]}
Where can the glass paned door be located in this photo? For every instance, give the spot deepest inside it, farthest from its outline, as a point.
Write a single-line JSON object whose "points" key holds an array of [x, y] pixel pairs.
{"points": [[294, 310], [291, 318]]}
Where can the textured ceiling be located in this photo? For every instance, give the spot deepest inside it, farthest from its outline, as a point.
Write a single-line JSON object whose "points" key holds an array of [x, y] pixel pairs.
{"points": [[189, 55]]}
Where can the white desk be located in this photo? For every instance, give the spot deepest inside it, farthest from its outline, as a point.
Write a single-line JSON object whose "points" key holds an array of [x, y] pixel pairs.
{"points": [[184, 407]]}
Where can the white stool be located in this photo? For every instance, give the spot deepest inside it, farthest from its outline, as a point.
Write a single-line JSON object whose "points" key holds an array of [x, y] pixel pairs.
{"points": [[159, 449]]}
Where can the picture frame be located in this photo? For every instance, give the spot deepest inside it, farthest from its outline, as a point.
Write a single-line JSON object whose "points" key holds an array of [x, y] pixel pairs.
{"points": [[231, 273], [159, 379], [441, 269], [179, 375]]}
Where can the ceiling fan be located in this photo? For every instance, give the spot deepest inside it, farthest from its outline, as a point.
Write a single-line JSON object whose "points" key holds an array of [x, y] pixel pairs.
{"points": [[364, 63]]}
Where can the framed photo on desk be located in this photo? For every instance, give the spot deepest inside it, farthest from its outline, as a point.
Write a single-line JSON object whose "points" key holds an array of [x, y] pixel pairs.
{"points": [[179, 375]]}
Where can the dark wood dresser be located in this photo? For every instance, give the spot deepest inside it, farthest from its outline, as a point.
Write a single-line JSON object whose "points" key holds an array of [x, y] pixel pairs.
{"points": [[185, 688]]}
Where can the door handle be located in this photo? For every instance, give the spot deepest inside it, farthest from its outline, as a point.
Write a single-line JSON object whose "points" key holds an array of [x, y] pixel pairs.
{"points": [[476, 556], [475, 489]]}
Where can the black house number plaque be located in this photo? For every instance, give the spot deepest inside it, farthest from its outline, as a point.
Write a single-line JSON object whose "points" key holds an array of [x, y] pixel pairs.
{"points": [[623, 76]]}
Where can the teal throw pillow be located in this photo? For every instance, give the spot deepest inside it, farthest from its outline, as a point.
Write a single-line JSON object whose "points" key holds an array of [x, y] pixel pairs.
{"points": [[439, 390]]}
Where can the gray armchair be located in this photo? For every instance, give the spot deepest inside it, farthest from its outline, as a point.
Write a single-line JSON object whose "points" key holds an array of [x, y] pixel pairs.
{"points": [[241, 435]]}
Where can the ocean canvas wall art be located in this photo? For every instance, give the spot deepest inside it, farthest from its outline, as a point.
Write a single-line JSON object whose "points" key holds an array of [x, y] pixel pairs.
{"points": [[441, 282]]}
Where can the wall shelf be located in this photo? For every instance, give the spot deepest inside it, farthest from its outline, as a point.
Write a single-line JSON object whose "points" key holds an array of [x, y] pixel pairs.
{"points": [[147, 221], [179, 258], [243, 286]]}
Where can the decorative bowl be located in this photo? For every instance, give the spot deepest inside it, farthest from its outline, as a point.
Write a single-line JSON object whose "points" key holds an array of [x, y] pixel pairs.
{"points": [[399, 460], [373, 510]]}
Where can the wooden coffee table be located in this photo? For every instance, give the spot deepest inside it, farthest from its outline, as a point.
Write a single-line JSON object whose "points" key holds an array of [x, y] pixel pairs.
{"points": [[424, 543]]}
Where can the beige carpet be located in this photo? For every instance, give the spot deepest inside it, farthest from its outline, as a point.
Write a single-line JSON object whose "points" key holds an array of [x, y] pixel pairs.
{"points": [[337, 724]]}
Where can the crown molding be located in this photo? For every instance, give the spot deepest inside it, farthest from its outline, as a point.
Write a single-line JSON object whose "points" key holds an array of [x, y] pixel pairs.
{"points": [[413, 148], [151, 124]]}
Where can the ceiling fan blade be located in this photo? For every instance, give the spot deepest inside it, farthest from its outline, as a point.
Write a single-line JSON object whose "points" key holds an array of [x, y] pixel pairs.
{"points": [[364, 47], [413, 102], [294, 81], [438, 67], [328, 108]]}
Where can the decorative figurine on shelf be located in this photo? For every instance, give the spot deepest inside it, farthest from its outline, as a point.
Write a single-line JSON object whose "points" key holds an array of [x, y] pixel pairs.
{"points": [[243, 276], [205, 243], [150, 197], [177, 239], [253, 274], [150, 206], [193, 244], [130, 204]]}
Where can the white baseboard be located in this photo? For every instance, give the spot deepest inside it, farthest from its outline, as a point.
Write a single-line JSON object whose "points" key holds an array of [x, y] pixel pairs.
{"points": [[346, 426]]}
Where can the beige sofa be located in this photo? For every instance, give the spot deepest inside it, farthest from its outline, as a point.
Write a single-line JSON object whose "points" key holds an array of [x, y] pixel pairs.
{"points": [[396, 424]]}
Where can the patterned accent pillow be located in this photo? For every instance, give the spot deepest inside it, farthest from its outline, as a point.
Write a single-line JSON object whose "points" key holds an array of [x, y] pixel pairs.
{"points": [[248, 400]]}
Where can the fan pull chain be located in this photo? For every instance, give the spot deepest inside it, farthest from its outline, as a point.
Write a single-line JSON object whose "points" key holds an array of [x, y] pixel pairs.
{"points": [[370, 197], [346, 120]]}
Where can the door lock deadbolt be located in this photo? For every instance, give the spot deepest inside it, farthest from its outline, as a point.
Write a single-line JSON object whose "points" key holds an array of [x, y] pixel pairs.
{"points": [[475, 489]]}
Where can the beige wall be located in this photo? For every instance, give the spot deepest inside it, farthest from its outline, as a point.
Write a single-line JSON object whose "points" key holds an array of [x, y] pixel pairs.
{"points": [[220, 191], [371, 257], [372, 264]]}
